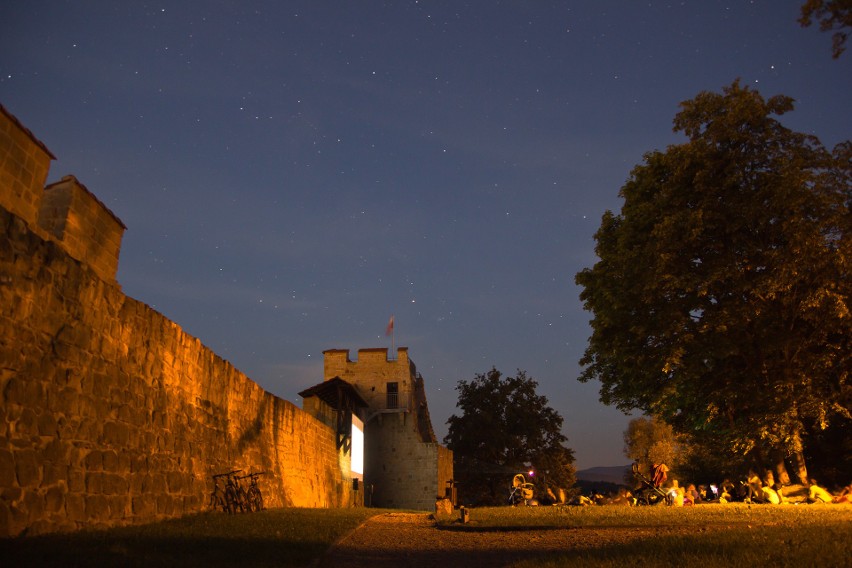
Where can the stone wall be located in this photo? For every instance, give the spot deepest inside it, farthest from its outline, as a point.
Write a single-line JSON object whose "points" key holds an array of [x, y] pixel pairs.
{"points": [[109, 413], [402, 472]]}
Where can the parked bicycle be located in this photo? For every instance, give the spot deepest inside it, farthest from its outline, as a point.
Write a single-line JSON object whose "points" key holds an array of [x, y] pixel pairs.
{"points": [[254, 499], [229, 494], [225, 493]]}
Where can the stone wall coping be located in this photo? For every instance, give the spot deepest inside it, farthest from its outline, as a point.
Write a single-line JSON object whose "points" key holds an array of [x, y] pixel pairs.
{"points": [[26, 131], [72, 179]]}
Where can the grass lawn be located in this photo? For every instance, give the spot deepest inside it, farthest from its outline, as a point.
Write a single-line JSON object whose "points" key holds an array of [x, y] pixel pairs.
{"points": [[718, 535], [278, 537]]}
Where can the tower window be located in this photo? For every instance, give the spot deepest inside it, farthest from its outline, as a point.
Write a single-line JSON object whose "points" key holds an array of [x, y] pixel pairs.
{"points": [[393, 395]]}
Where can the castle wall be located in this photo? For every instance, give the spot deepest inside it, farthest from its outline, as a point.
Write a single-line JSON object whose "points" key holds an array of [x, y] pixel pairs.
{"points": [[109, 413], [401, 471]]}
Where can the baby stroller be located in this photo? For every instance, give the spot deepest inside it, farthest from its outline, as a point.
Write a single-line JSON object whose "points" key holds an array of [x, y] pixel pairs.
{"points": [[522, 492], [651, 492]]}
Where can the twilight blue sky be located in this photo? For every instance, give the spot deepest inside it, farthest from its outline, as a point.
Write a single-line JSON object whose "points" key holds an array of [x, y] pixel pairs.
{"points": [[292, 173]]}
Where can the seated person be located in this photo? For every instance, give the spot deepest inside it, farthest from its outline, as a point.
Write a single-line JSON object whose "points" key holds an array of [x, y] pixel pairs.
{"points": [[818, 494], [769, 495], [726, 491], [692, 494], [845, 495], [755, 487], [660, 472]]}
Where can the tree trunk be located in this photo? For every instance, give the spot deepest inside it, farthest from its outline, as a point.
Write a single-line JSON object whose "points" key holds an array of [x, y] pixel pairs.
{"points": [[800, 469], [782, 477]]}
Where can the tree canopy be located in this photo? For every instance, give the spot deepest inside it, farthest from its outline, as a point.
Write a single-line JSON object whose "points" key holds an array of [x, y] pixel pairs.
{"points": [[649, 441], [721, 299], [831, 15], [506, 427]]}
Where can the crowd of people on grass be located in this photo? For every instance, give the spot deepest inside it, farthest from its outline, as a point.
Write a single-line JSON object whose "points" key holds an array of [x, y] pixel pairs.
{"points": [[752, 490]]}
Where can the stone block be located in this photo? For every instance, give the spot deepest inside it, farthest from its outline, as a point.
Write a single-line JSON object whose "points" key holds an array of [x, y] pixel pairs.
{"points": [[54, 473], [5, 520], [17, 520], [136, 483], [76, 480], [115, 484], [115, 434], [27, 423], [175, 480], [67, 427], [118, 506], [27, 468], [94, 482], [144, 506], [97, 507], [75, 507], [33, 504], [23, 391], [56, 451], [124, 462], [67, 401], [94, 460], [109, 460], [139, 463], [54, 499], [8, 477], [165, 505]]}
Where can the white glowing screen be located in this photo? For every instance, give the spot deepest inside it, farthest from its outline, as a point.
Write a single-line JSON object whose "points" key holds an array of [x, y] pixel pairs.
{"points": [[357, 465]]}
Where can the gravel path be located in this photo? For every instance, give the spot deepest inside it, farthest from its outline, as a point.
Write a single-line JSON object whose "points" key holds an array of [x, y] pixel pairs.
{"points": [[405, 540]]}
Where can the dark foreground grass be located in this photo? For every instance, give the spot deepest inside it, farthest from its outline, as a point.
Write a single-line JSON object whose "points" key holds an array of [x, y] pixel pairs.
{"points": [[818, 546], [716, 535], [279, 537]]}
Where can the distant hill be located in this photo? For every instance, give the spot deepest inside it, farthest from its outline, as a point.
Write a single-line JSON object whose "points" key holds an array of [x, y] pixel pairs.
{"points": [[612, 474]]}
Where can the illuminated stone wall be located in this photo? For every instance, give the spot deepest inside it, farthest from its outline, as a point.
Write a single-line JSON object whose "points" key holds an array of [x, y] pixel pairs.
{"points": [[110, 414], [24, 163], [87, 230]]}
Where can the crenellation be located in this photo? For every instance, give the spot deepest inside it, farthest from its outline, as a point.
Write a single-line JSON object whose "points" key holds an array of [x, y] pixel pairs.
{"points": [[24, 164]]}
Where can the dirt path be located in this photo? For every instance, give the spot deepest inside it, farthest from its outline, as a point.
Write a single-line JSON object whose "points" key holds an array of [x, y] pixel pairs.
{"points": [[397, 540]]}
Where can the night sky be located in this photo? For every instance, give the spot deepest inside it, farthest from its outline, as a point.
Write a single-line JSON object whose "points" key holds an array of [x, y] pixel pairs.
{"points": [[294, 173]]}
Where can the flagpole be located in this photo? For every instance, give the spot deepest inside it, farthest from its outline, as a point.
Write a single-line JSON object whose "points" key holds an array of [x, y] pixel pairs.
{"points": [[391, 330]]}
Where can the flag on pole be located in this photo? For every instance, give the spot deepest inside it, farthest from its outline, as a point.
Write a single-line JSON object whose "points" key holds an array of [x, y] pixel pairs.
{"points": [[389, 330]]}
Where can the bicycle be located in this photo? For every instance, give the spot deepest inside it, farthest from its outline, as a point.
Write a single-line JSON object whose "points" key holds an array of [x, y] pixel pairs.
{"points": [[224, 497], [254, 499]]}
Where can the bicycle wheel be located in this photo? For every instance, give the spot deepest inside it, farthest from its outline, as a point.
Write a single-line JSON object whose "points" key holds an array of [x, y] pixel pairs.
{"points": [[230, 501], [243, 501], [255, 499]]}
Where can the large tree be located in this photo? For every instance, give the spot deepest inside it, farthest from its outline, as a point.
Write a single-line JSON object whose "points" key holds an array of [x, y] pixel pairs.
{"points": [[505, 427], [721, 299]]}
